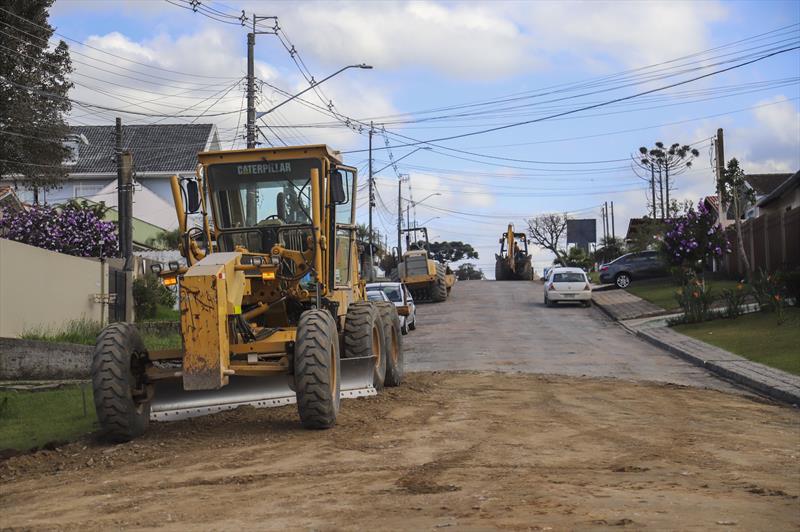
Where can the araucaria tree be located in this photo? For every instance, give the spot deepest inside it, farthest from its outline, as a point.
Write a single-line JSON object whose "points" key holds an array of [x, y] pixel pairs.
{"points": [[33, 97], [734, 192], [446, 252], [657, 165], [547, 231]]}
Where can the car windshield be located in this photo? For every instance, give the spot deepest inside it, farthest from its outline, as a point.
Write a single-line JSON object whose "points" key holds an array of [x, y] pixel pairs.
{"points": [[569, 277], [393, 293], [374, 296], [262, 193]]}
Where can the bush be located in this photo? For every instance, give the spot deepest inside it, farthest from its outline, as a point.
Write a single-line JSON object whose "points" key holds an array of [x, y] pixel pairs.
{"points": [[792, 284], [694, 238], [74, 229], [148, 295], [734, 301], [695, 299]]}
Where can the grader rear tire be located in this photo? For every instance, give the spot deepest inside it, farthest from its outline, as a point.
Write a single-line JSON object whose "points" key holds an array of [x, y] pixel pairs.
{"points": [[121, 392], [439, 288], [316, 370], [393, 343], [363, 337]]}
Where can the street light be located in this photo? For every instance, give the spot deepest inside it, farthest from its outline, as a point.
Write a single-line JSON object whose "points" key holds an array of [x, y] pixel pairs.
{"points": [[401, 158], [315, 84], [415, 203], [429, 220]]}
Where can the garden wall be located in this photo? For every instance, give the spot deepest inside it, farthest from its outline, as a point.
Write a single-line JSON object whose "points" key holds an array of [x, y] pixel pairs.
{"points": [[42, 289]]}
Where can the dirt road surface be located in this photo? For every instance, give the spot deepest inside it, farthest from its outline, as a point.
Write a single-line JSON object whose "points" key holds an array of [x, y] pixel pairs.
{"points": [[447, 450]]}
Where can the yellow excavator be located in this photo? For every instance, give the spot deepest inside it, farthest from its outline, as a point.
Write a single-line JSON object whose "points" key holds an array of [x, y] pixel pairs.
{"points": [[272, 307], [428, 279], [513, 263]]}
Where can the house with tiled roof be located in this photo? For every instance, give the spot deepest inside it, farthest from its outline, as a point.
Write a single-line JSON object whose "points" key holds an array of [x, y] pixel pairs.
{"points": [[762, 185], [159, 152]]}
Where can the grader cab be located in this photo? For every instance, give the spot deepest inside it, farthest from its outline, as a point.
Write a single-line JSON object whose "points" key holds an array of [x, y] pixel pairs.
{"points": [[272, 306], [427, 279], [513, 263]]}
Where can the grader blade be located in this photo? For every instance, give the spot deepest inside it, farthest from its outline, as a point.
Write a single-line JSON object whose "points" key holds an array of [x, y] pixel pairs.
{"points": [[171, 402]]}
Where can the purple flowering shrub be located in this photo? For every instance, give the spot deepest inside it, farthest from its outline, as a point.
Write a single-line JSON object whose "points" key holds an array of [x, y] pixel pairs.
{"points": [[691, 239], [72, 230]]}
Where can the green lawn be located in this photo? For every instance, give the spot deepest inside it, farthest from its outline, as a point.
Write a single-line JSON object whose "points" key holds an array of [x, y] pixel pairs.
{"points": [[756, 336], [661, 291], [31, 419], [85, 333]]}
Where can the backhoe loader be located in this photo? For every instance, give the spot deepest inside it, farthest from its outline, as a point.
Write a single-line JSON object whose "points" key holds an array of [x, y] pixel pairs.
{"points": [[427, 279], [513, 263], [272, 307]]}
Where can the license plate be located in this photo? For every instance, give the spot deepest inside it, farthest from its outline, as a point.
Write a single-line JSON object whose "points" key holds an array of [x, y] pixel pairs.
{"points": [[569, 295]]}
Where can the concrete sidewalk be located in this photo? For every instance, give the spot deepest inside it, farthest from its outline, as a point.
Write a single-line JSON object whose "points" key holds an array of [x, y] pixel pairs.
{"points": [[649, 322], [769, 381]]}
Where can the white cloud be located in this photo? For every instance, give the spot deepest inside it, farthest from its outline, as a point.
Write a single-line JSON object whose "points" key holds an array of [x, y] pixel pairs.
{"points": [[469, 40], [214, 59]]}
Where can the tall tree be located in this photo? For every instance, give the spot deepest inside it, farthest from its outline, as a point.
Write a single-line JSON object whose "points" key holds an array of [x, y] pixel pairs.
{"points": [[547, 231], [469, 272], [454, 251], [661, 163], [737, 194], [33, 103]]}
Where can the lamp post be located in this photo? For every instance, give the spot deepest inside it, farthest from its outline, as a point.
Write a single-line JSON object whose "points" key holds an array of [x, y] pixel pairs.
{"points": [[312, 85]]}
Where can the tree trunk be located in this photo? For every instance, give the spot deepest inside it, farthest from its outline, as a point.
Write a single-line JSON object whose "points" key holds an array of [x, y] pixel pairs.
{"points": [[666, 188], [661, 193], [738, 224], [653, 190]]}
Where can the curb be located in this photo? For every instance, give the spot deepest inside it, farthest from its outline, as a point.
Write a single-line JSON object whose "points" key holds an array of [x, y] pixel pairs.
{"points": [[718, 367]]}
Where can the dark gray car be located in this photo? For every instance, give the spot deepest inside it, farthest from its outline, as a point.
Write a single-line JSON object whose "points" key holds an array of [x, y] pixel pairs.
{"points": [[641, 265]]}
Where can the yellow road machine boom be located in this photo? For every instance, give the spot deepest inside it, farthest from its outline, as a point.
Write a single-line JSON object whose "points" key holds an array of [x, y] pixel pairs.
{"points": [[427, 279], [273, 310], [513, 263]]}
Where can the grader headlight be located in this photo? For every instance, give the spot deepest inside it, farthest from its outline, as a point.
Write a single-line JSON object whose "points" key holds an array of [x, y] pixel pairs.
{"points": [[268, 275]]}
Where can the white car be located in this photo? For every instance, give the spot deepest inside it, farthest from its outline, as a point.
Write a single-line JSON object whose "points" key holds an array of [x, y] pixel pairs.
{"points": [[400, 295], [567, 284]]}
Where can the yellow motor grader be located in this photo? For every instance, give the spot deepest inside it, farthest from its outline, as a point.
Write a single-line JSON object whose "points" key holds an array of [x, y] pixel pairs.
{"points": [[273, 310], [427, 279], [513, 263]]}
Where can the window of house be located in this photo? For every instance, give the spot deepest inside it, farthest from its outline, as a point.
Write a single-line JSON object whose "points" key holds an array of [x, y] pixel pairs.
{"points": [[86, 190]]}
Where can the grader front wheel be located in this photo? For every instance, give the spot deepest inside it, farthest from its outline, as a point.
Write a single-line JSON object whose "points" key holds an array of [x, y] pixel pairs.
{"points": [[363, 337], [316, 370], [121, 392], [393, 343]]}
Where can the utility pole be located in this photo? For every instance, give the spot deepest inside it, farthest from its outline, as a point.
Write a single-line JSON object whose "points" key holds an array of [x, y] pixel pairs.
{"points": [[124, 220], [371, 202], [719, 146], [613, 232], [605, 222], [399, 217], [251, 78], [121, 202], [251, 88]]}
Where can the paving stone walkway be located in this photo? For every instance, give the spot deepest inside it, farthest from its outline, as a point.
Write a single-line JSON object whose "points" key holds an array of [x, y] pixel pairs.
{"points": [[621, 305]]}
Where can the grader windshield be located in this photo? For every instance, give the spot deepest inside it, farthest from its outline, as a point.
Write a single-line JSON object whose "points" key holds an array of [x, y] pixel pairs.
{"points": [[254, 201]]}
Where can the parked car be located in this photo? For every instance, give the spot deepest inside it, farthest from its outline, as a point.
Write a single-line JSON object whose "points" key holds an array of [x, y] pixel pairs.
{"points": [[400, 295], [567, 284], [633, 266], [376, 295]]}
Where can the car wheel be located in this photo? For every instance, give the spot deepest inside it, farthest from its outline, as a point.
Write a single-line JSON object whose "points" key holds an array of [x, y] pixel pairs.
{"points": [[413, 325], [622, 280]]}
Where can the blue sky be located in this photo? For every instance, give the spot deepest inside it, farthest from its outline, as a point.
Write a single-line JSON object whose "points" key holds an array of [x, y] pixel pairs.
{"points": [[429, 55]]}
